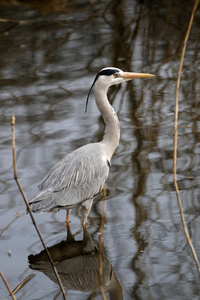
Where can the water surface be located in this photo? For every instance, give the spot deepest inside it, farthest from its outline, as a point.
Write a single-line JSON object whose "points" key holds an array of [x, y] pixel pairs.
{"points": [[49, 56]]}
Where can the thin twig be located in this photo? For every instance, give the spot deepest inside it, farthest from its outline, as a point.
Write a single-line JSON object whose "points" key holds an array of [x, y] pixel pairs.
{"points": [[7, 226], [176, 136], [7, 285], [22, 283], [12, 21], [29, 210], [101, 283]]}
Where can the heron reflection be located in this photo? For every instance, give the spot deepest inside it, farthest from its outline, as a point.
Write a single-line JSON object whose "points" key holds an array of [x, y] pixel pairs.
{"points": [[77, 263]]}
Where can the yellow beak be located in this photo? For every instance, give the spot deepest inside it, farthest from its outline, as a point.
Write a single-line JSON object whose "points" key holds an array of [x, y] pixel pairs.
{"points": [[131, 75]]}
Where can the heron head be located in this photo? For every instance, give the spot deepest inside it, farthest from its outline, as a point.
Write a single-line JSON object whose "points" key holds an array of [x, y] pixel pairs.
{"points": [[111, 76]]}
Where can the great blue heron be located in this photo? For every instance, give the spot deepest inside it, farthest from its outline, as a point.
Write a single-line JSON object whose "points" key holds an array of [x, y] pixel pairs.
{"points": [[81, 175]]}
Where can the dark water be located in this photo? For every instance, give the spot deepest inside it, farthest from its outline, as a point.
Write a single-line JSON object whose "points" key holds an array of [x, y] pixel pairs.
{"points": [[49, 55]]}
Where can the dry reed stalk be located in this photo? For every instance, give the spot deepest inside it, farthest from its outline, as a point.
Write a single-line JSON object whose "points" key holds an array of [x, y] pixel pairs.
{"points": [[29, 210], [7, 285], [101, 283], [23, 283], [176, 137]]}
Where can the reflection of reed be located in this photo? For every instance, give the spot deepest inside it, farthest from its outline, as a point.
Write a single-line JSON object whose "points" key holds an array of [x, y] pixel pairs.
{"points": [[101, 281]]}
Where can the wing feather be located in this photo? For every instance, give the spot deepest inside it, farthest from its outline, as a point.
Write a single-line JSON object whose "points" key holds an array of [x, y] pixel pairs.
{"points": [[77, 177]]}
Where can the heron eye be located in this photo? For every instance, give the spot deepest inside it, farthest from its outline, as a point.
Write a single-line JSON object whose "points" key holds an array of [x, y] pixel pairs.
{"points": [[116, 75]]}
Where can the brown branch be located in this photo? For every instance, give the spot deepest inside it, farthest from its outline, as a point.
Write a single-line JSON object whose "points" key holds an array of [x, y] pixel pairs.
{"points": [[7, 285], [29, 209], [176, 136]]}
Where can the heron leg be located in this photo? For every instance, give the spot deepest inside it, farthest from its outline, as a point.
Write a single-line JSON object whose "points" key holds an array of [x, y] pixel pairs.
{"points": [[104, 191], [84, 222], [86, 206], [68, 215]]}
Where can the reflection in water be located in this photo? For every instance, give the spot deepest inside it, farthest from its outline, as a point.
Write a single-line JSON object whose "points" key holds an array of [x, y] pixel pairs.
{"points": [[77, 263]]}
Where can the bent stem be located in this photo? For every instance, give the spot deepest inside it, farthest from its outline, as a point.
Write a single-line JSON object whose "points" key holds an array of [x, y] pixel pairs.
{"points": [[23, 283], [29, 210], [176, 137]]}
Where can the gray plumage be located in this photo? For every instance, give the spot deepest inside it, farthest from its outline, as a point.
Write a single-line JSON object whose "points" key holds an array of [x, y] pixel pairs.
{"points": [[81, 175], [77, 177]]}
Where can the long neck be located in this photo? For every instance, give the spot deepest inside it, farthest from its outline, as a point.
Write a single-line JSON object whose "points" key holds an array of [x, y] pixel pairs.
{"points": [[112, 130]]}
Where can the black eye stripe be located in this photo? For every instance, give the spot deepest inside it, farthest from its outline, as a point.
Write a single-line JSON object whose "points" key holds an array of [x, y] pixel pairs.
{"points": [[108, 72]]}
